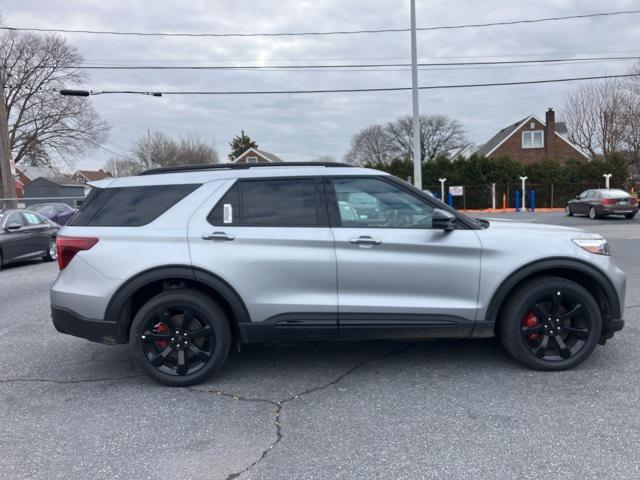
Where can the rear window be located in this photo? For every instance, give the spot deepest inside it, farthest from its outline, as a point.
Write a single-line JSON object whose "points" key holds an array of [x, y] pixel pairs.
{"points": [[614, 193], [128, 206]]}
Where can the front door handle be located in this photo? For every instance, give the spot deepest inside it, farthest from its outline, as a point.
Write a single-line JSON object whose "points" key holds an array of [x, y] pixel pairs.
{"points": [[219, 236], [365, 240]]}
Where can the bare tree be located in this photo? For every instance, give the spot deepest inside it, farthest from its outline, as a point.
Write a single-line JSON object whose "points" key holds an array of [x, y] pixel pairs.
{"points": [[159, 150], [32, 68], [594, 116], [438, 135], [371, 145], [123, 167]]}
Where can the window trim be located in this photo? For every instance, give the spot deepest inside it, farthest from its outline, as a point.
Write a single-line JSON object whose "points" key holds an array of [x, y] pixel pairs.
{"points": [[253, 157], [335, 220], [532, 133], [320, 196]]}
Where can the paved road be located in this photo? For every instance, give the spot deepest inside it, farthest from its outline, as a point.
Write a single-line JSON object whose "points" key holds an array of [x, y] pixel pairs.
{"points": [[445, 410]]}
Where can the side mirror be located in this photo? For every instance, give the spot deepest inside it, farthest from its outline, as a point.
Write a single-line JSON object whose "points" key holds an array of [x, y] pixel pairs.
{"points": [[443, 220], [577, 197]]}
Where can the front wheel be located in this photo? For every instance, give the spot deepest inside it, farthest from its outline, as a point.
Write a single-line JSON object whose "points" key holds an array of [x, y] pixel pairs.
{"points": [[568, 212], [180, 337], [550, 324], [593, 214]]}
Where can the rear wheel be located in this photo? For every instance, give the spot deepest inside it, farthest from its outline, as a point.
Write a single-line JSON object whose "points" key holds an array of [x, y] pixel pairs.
{"points": [[593, 214], [629, 216], [52, 251], [567, 211], [180, 337], [550, 324]]}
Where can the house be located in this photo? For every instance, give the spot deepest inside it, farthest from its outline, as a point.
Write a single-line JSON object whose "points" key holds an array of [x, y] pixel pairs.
{"points": [[86, 176], [530, 140], [253, 155], [26, 174], [464, 152], [59, 189]]}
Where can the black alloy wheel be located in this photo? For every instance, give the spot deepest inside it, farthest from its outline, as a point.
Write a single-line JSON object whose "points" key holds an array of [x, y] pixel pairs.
{"points": [[553, 324], [180, 337]]}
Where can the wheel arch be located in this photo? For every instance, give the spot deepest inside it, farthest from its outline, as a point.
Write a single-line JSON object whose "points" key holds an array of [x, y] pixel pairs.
{"points": [[578, 271], [130, 297]]}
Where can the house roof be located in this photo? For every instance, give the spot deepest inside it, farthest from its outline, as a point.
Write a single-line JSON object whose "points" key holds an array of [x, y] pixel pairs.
{"points": [[500, 137], [93, 175], [62, 181], [269, 156], [32, 172]]}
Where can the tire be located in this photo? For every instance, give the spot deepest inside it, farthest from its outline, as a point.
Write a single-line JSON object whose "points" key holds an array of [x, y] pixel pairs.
{"points": [[629, 216], [593, 214], [524, 339], [175, 364], [52, 251], [567, 211]]}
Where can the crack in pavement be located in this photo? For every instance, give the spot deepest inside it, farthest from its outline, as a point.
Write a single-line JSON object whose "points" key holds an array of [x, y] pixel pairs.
{"points": [[54, 380], [279, 404]]}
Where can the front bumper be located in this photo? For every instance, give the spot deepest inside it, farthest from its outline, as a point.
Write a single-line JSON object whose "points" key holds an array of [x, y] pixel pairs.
{"points": [[71, 323]]}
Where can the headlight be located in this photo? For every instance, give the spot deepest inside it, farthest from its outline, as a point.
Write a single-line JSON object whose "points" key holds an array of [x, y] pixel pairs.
{"points": [[599, 246]]}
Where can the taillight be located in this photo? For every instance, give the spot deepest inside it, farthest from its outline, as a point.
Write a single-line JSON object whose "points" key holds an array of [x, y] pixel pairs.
{"points": [[69, 246], [608, 201]]}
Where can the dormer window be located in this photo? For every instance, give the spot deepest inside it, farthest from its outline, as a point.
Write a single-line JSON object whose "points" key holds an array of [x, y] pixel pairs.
{"points": [[252, 159], [533, 139]]}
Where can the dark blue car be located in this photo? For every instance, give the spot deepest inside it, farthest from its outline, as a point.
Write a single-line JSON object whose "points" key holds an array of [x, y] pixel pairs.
{"points": [[58, 212]]}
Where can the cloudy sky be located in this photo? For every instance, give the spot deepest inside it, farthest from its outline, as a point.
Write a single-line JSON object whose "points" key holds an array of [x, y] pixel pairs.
{"points": [[304, 127]]}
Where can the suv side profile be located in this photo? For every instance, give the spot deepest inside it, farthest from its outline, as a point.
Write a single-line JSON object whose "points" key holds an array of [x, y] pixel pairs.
{"points": [[182, 263]]}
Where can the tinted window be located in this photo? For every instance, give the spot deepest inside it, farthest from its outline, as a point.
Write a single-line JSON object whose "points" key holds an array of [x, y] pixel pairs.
{"points": [[129, 206], [15, 219], [231, 202], [615, 193], [31, 218], [370, 202], [279, 202]]}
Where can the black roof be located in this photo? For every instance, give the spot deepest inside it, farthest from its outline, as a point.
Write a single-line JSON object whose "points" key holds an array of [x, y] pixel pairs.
{"points": [[238, 166]]}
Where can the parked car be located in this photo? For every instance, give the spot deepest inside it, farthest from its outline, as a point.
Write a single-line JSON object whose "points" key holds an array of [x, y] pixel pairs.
{"points": [[25, 235], [184, 262], [58, 212], [601, 202]]}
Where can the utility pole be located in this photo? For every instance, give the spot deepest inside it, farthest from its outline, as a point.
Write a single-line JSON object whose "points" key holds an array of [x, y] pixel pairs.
{"points": [[417, 160], [7, 170]]}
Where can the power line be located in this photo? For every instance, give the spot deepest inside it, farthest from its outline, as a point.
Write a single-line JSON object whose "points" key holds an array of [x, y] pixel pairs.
{"points": [[334, 32], [356, 90], [341, 66]]}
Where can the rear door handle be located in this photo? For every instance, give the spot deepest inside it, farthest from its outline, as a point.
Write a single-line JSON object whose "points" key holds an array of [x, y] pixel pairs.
{"points": [[219, 236], [365, 240]]}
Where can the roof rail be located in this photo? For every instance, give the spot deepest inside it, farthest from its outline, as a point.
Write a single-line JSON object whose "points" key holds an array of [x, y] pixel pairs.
{"points": [[237, 166]]}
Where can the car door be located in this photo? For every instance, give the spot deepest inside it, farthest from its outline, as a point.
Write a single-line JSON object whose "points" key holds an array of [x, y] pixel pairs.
{"points": [[270, 240], [14, 242], [37, 230], [585, 200], [398, 277]]}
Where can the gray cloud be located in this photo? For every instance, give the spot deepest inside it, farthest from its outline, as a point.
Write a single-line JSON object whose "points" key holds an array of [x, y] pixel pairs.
{"points": [[303, 127]]}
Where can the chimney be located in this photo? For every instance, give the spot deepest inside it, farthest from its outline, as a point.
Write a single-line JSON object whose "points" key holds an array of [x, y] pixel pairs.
{"points": [[549, 134]]}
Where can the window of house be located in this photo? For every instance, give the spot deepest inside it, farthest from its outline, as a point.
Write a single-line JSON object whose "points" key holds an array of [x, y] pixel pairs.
{"points": [[252, 159], [533, 139]]}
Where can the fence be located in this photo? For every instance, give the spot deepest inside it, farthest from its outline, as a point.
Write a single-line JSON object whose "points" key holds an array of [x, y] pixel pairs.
{"points": [[25, 202], [549, 195]]}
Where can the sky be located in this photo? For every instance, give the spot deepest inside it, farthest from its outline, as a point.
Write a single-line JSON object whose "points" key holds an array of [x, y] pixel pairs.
{"points": [[305, 127]]}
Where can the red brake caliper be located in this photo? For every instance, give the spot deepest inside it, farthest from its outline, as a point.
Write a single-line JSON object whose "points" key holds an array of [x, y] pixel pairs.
{"points": [[161, 328], [529, 321]]}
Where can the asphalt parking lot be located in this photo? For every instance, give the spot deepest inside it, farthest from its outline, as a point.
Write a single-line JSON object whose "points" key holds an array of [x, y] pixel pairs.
{"points": [[445, 409]]}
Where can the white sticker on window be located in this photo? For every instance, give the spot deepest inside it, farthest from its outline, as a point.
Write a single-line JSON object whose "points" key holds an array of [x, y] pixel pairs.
{"points": [[227, 213]]}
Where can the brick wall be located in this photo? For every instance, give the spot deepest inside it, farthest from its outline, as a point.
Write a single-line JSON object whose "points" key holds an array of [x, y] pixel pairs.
{"points": [[557, 149]]}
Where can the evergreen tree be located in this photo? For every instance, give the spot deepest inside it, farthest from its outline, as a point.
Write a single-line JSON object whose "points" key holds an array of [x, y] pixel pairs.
{"points": [[240, 144]]}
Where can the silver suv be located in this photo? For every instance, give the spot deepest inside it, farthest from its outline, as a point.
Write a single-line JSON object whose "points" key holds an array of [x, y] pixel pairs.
{"points": [[184, 262]]}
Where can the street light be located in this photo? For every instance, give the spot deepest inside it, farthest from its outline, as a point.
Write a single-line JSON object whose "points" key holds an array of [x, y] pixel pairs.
{"points": [[68, 92], [607, 176], [524, 180]]}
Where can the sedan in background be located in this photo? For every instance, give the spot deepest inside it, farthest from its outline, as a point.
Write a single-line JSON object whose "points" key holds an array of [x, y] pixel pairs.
{"points": [[25, 235], [58, 212], [601, 202]]}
